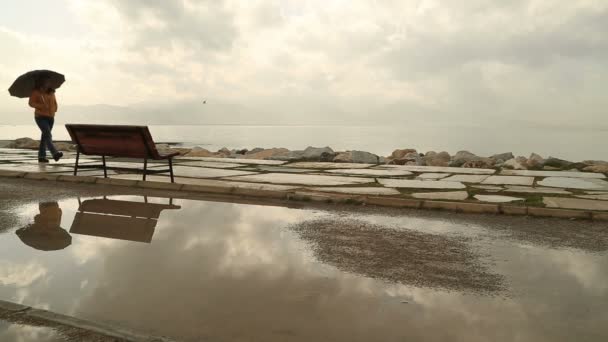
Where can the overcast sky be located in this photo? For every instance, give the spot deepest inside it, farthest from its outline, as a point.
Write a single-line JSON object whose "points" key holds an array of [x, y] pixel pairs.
{"points": [[301, 60]]}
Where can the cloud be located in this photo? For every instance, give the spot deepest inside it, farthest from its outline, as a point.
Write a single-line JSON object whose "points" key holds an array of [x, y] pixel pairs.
{"points": [[467, 61]]}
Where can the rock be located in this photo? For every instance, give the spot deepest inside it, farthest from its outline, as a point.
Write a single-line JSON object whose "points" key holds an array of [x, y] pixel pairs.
{"points": [[595, 162], [602, 168], [266, 154], [461, 157], [357, 157], [65, 146], [412, 158], [433, 158], [481, 163], [27, 143], [255, 150], [514, 164], [288, 156], [223, 152], [503, 156], [323, 154], [199, 152], [398, 154], [535, 162], [558, 163], [550, 168]]}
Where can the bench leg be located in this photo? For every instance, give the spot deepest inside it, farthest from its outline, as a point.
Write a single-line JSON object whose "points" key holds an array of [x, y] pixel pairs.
{"points": [[105, 172], [171, 169], [145, 167], [76, 164]]}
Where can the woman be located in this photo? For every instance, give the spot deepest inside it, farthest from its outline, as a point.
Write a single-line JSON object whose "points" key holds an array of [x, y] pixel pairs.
{"points": [[43, 101]]}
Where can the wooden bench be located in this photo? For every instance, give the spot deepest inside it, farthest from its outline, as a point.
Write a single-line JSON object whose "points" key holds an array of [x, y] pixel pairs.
{"points": [[117, 141]]}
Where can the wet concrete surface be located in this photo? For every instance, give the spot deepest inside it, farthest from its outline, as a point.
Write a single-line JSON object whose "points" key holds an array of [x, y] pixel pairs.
{"points": [[196, 270]]}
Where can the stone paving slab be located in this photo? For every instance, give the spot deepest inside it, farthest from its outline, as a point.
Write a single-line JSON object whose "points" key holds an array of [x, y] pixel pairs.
{"points": [[361, 190], [35, 168], [203, 172], [419, 184], [509, 180], [490, 188], [281, 169], [18, 151], [466, 178], [208, 182], [319, 165], [200, 163], [575, 203], [443, 195], [432, 175], [63, 161], [574, 183], [234, 160], [372, 172], [571, 174], [17, 157], [536, 190], [440, 169], [595, 197], [311, 180], [497, 198]]}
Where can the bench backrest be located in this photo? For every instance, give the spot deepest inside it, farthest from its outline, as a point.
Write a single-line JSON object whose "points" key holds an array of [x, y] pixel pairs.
{"points": [[114, 140]]}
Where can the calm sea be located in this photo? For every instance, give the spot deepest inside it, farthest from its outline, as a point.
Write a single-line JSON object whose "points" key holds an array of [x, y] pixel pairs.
{"points": [[564, 142]]}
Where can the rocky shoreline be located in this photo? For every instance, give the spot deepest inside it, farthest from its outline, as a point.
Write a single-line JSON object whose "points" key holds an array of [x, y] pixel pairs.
{"points": [[405, 156]]}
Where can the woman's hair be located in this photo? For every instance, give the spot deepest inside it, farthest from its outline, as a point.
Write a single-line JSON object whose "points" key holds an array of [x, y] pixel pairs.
{"points": [[40, 81]]}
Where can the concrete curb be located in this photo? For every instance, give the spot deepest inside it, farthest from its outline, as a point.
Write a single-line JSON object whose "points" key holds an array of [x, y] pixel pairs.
{"points": [[326, 197], [22, 311]]}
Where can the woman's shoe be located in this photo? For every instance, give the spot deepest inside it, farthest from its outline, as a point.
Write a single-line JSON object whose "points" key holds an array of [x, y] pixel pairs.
{"points": [[43, 160], [57, 156]]}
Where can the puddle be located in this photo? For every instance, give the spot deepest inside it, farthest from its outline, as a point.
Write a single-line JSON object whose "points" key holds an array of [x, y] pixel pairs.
{"points": [[196, 270], [10, 332]]}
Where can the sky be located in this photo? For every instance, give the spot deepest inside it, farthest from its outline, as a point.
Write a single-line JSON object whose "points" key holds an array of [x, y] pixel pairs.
{"points": [[313, 61]]}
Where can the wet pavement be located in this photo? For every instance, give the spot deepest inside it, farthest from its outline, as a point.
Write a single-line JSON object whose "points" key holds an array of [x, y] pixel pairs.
{"points": [[196, 270]]}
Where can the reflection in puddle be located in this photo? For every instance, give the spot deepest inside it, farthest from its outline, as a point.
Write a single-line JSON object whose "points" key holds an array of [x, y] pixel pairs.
{"points": [[232, 272], [45, 233], [115, 219]]}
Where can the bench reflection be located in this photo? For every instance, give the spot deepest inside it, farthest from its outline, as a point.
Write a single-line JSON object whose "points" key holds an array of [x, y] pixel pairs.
{"points": [[118, 219]]}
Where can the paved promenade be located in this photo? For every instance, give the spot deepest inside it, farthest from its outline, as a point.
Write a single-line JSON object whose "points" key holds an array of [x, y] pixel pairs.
{"points": [[567, 194]]}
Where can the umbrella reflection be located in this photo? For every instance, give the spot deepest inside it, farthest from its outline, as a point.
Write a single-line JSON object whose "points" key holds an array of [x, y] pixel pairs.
{"points": [[117, 219], [45, 233]]}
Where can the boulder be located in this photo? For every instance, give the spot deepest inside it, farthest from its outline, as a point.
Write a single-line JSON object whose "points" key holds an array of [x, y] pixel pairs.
{"points": [[514, 164], [481, 163], [223, 152], [411, 158], [255, 150], [461, 157], [594, 163], [433, 158], [535, 162], [558, 163], [323, 154], [357, 157], [398, 154], [65, 146], [266, 154], [602, 168], [289, 156], [503, 156], [199, 152], [27, 143]]}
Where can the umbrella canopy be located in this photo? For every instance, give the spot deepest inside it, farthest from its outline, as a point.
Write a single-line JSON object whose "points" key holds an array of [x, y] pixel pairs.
{"points": [[24, 84], [44, 239]]}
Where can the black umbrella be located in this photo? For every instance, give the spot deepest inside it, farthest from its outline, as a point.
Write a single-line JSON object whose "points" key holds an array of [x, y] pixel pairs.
{"points": [[24, 84]]}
